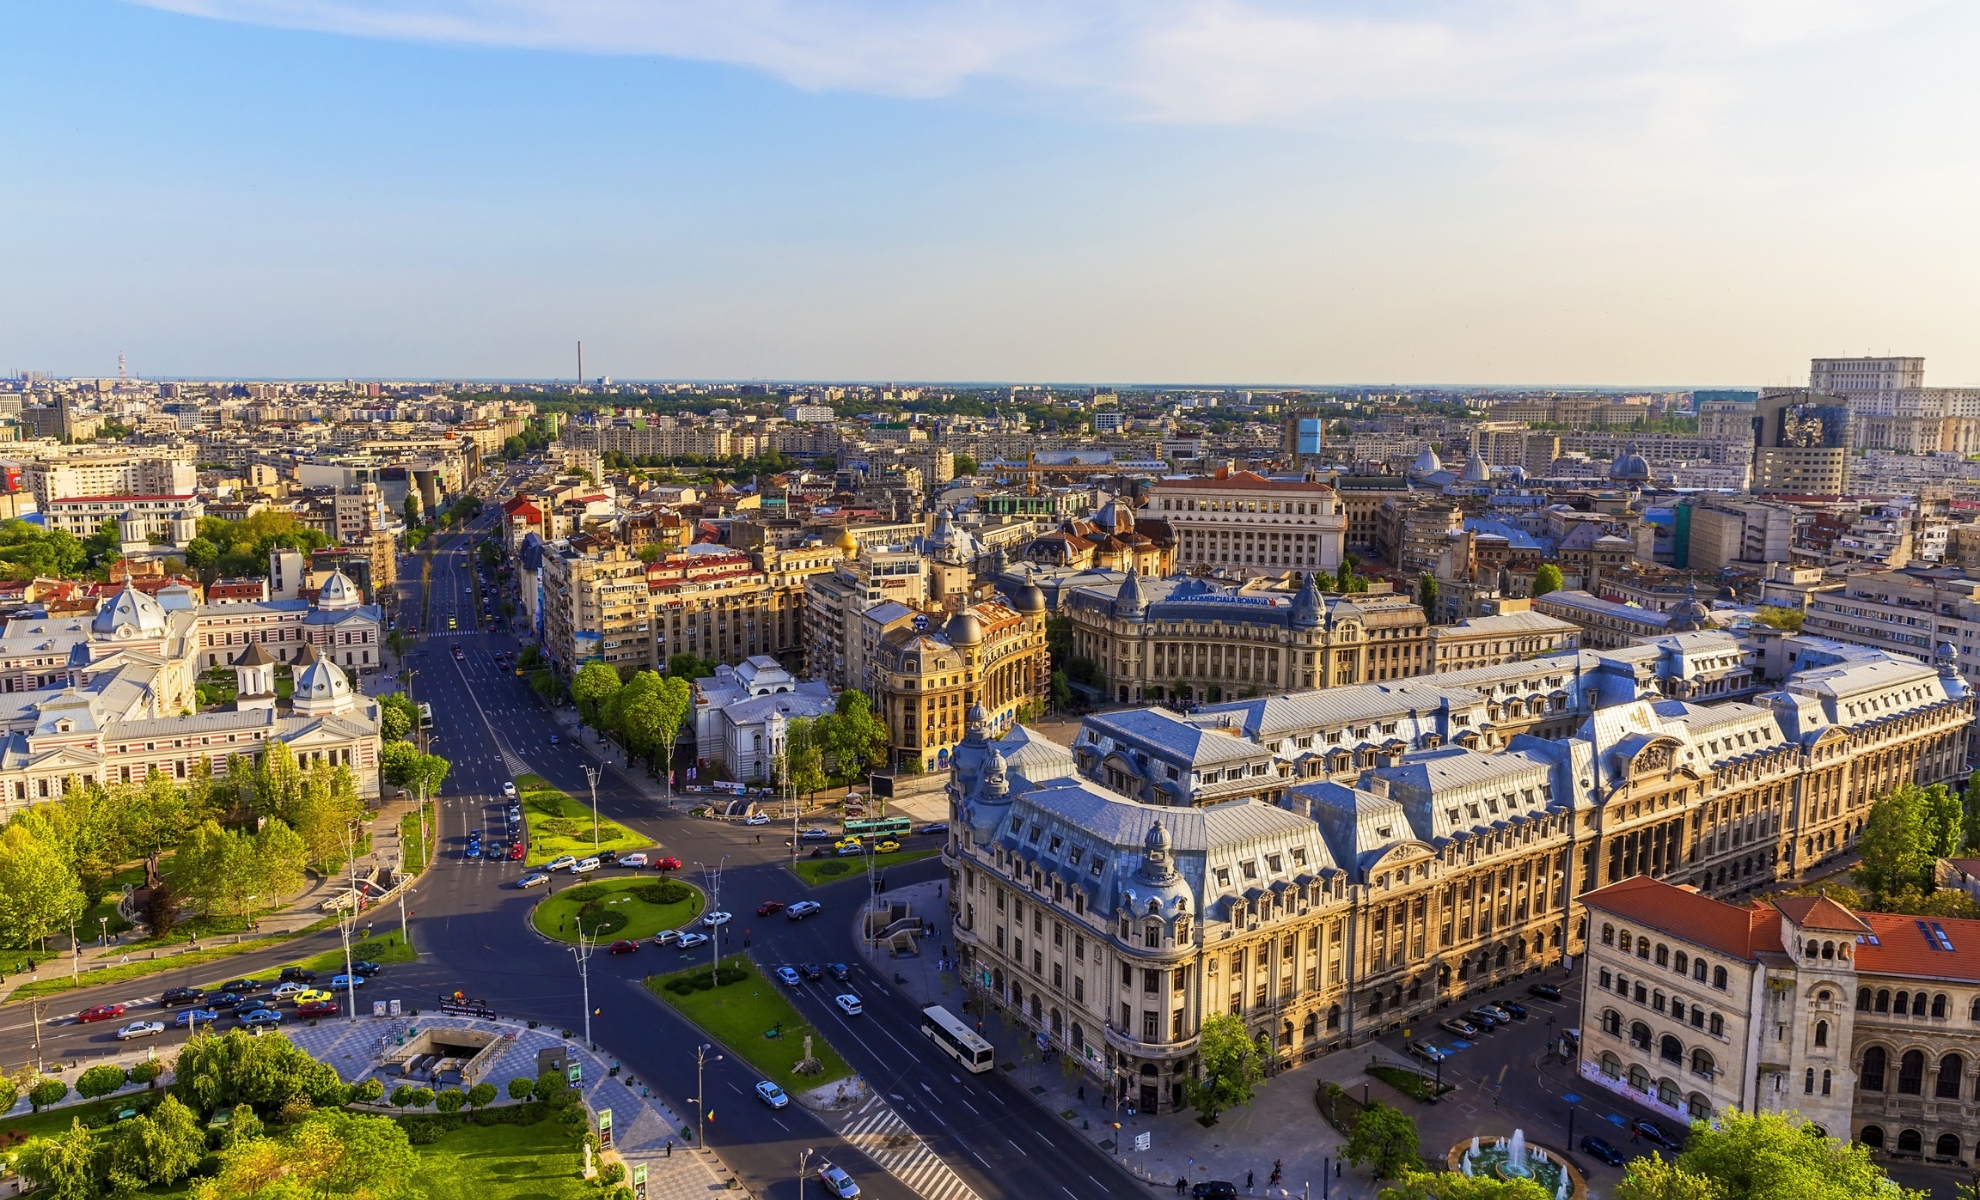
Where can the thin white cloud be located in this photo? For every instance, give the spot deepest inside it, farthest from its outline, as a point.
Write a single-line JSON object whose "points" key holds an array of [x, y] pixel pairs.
{"points": [[1163, 60]]}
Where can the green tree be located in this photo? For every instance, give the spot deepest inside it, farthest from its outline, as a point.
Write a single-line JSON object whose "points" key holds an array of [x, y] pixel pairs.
{"points": [[1653, 1177], [64, 1167], [481, 1095], [39, 890], [1062, 691], [964, 464], [1384, 1140], [690, 666], [217, 1071], [398, 716], [1789, 619], [202, 554], [368, 1092], [488, 554], [1428, 1185], [99, 1080], [520, 1087], [1774, 1156], [331, 1153], [158, 1148], [450, 1100], [1231, 1068], [1059, 641], [28, 551], [1897, 844], [412, 507], [804, 760], [47, 1090], [1970, 806], [1426, 596], [105, 545], [422, 1096], [1547, 579], [591, 687], [852, 735]]}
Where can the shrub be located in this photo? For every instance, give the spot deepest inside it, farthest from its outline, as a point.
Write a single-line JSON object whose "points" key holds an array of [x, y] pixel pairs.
{"points": [[9, 1092], [147, 1071], [422, 1097], [596, 920], [610, 1174], [520, 1087], [368, 1092], [402, 1095], [562, 827], [47, 1091], [99, 1081], [481, 1094], [295, 1110], [667, 891], [450, 1100], [585, 893]]}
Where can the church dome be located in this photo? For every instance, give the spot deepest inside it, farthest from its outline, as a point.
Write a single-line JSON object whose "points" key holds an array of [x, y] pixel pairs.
{"points": [[963, 629], [321, 687], [1629, 467], [1476, 469], [847, 542], [338, 592], [130, 614], [1427, 463], [1030, 599]]}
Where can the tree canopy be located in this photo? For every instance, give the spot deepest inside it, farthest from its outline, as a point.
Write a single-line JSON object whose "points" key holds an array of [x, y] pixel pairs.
{"points": [[1908, 829], [1547, 579], [1771, 1156], [1231, 1067], [1384, 1140], [243, 545], [28, 551]]}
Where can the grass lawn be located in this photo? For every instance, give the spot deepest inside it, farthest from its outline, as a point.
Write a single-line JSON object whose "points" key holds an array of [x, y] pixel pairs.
{"points": [[384, 948], [106, 904], [613, 909], [561, 824], [137, 970], [94, 1113], [411, 845], [504, 1162], [815, 871], [738, 1014]]}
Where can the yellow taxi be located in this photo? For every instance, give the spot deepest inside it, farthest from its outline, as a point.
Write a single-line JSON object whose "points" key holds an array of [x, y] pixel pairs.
{"points": [[849, 845], [887, 847], [451, 624], [312, 995]]}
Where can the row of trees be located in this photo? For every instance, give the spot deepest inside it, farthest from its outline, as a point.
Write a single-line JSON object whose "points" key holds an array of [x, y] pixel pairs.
{"points": [[849, 739], [241, 547], [645, 712]]}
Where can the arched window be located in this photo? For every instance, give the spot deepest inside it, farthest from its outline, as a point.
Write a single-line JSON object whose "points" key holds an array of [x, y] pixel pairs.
{"points": [[1639, 1078], [1821, 1033], [1334, 1017], [1903, 1004], [1939, 1004], [1872, 1136], [1701, 1063], [1612, 1023], [1974, 1012], [1863, 1000], [1078, 1036], [1670, 1049], [1681, 963], [1698, 970], [1718, 1025], [1611, 1065], [1719, 978], [1699, 1107], [1808, 1082], [1948, 1146], [1639, 1036], [1828, 949], [1667, 1091], [1058, 1023], [1311, 1029], [1872, 1075], [1910, 1141], [1624, 944], [1911, 1073], [1825, 1082], [1663, 955], [1883, 1000], [1609, 936], [1950, 1069]]}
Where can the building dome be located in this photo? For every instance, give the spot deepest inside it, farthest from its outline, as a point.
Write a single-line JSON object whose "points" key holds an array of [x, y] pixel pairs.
{"points": [[963, 629], [321, 688], [847, 542], [1306, 605], [1030, 599], [1427, 463], [1128, 601], [1693, 615], [130, 614], [1629, 467], [338, 592], [1476, 469]]}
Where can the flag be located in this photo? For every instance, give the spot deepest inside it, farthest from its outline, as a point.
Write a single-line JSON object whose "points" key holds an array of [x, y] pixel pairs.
{"points": [[711, 1118]]}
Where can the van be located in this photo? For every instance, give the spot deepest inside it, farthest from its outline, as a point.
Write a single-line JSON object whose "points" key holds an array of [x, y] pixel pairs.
{"points": [[801, 910], [585, 866]]}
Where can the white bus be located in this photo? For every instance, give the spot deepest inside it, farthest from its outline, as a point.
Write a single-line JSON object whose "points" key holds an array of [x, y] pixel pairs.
{"points": [[947, 1031]]}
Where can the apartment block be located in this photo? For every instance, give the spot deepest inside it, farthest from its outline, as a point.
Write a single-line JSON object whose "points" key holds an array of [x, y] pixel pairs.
{"points": [[596, 605]]}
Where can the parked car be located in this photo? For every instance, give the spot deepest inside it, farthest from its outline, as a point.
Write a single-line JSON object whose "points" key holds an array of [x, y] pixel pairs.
{"points": [[772, 1094], [837, 1183], [690, 940], [174, 997], [802, 909], [563, 862], [849, 1004], [262, 1016], [1428, 1051], [102, 1012], [769, 906], [533, 879], [1656, 1135], [669, 863], [634, 860], [1546, 991], [1482, 1019], [509, 788], [788, 977], [757, 819], [623, 946], [1514, 1007], [317, 1008], [140, 1029], [718, 917], [1214, 1189], [1595, 1147], [666, 937], [190, 1017], [1495, 1012], [934, 827], [1459, 1026]]}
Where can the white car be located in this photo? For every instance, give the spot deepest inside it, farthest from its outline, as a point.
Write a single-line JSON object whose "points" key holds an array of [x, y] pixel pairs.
{"points": [[801, 910], [289, 991], [509, 789], [138, 1029], [837, 1183], [585, 866], [848, 1004], [758, 819], [636, 859], [533, 879], [666, 937], [715, 918], [563, 862], [690, 940]]}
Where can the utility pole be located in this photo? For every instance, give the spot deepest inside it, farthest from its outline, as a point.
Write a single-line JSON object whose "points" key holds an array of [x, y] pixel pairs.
{"points": [[40, 1012], [713, 879], [701, 1061], [75, 952], [405, 935], [582, 952], [804, 1156], [346, 924], [591, 775]]}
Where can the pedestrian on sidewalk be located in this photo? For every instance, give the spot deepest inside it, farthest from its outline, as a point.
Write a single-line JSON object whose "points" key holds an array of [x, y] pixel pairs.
{"points": [[1247, 1183], [670, 1147], [1181, 1184]]}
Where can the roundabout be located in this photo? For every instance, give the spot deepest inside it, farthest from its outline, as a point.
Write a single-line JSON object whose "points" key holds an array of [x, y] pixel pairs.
{"points": [[633, 908]]}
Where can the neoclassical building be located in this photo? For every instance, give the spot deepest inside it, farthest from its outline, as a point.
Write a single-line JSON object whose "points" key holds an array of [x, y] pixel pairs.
{"points": [[1109, 904], [988, 657]]}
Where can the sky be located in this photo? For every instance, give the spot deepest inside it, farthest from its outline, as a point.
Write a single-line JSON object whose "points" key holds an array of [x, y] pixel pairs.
{"points": [[1548, 192]]}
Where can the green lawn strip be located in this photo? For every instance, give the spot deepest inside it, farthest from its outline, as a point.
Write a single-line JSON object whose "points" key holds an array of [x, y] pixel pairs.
{"points": [[738, 1015], [605, 900], [504, 1162], [94, 1114], [138, 970], [384, 948], [561, 824], [816, 871], [412, 846]]}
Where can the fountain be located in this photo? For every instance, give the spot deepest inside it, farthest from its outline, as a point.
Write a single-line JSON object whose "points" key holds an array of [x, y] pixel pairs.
{"points": [[1514, 1158]]}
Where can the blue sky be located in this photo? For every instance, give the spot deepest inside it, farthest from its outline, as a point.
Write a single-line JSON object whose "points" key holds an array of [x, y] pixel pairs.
{"points": [[1172, 190]]}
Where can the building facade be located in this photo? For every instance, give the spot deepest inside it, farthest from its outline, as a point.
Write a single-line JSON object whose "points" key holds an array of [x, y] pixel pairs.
{"points": [[596, 605], [1250, 525]]}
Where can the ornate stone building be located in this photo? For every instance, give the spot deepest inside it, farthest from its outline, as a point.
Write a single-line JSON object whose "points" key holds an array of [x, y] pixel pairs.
{"points": [[923, 680]]}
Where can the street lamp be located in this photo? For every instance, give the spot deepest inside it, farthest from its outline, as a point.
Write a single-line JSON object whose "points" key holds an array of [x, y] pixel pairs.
{"points": [[345, 924], [75, 951], [701, 1061], [591, 775], [582, 952], [804, 1157], [713, 878], [104, 938]]}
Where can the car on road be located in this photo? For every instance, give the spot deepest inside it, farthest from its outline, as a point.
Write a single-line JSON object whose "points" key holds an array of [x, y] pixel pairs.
{"points": [[1428, 1051], [509, 787], [517, 853], [1459, 1026], [851, 840], [815, 833], [139, 1029], [623, 946], [102, 1012], [555, 740], [1656, 1135], [311, 995], [789, 977], [848, 1004], [839, 972], [666, 937], [669, 863], [690, 940], [290, 990], [174, 997], [563, 862], [769, 906], [801, 910], [584, 866], [262, 1016], [887, 847], [533, 879], [1214, 1189], [242, 985], [346, 981], [1512, 1007], [718, 917], [1595, 1147], [1546, 991], [317, 1008], [608, 858], [757, 819], [296, 975], [934, 827], [496, 853], [836, 1182], [811, 971], [458, 652], [1482, 1019], [772, 1094], [848, 848], [189, 1016], [635, 860]]}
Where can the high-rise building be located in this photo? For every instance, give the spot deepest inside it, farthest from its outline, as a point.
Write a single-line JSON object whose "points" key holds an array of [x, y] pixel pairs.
{"points": [[1801, 443]]}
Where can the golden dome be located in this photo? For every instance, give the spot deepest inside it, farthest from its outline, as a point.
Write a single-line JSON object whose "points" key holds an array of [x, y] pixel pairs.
{"points": [[847, 542]]}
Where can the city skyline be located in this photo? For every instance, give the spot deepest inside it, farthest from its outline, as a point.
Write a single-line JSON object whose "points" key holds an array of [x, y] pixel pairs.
{"points": [[1195, 194]]}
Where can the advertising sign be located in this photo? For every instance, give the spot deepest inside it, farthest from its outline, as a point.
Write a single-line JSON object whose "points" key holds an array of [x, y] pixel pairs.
{"points": [[576, 1074], [604, 1129]]}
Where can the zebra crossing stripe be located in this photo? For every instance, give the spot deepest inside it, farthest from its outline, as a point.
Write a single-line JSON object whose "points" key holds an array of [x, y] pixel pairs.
{"points": [[886, 1139]]}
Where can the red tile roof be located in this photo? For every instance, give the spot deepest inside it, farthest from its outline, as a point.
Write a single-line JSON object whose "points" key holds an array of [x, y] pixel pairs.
{"points": [[1245, 481], [1820, 912], [1739, 932], [1911, 946]]}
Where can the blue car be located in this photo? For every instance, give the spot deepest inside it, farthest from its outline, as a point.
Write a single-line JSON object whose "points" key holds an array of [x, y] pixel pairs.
{"points": [[187, 1016], [262, 1016], [343, 981]]}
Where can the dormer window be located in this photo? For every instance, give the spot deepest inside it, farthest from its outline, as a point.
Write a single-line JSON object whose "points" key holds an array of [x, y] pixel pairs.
{"points": [[1385, 831], [1055, 845], [1299, 856], [1274, 864], [1249, 868], [1223, 877], [1074, 857]]}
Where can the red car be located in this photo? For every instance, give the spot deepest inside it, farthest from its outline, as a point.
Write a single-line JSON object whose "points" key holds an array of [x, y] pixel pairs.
{"points": [[669, 863], [623, 946], [769, 906], [516, 852], [317, 1008], [102, 1012]]}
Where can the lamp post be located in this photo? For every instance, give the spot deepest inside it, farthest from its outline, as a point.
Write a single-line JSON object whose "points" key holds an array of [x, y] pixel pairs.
{"points": [[75, 951], [712, 877], [1570, 1137], [582, 953], [104, 938], [701, 1061], [250, 913], [591, 776], [804, 1157], [346, 924]]}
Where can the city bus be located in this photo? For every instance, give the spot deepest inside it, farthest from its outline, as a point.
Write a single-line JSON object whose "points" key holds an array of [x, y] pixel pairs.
{"points": [[877, 826], [946, 1030], [425, 715]]}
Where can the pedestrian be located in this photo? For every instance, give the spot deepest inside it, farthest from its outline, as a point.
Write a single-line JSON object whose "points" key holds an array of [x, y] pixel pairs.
{"points": [[1635, 1134], [1082, 1091], [1181, 1183], [670, 1147], [1247, 1183]]}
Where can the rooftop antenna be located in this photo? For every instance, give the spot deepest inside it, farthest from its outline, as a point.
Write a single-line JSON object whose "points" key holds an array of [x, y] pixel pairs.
{"points": [[580, 364]]}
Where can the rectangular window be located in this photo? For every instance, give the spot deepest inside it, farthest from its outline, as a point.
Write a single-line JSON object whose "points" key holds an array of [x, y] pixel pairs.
{"points": [[1151, 982]]}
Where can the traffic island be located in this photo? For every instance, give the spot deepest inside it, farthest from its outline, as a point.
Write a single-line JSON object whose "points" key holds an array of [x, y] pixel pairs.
{"points": [[744, 1010], [561, 824], [817, 871], [632, 908]]}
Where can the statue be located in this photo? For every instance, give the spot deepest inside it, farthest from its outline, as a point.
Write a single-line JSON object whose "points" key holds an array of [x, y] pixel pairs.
{"points": [[808, 1065]]}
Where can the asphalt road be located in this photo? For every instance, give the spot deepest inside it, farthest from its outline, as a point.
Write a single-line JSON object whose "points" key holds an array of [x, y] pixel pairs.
{"points": [[468, 922]]}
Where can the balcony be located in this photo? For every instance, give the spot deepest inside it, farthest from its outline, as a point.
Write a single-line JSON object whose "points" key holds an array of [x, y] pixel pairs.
{"points": [[1158, 1051]]}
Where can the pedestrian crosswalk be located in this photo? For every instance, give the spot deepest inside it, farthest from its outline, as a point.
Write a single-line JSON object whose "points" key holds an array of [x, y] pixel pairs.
{"points": [[514, 765], [882, 1136]]}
